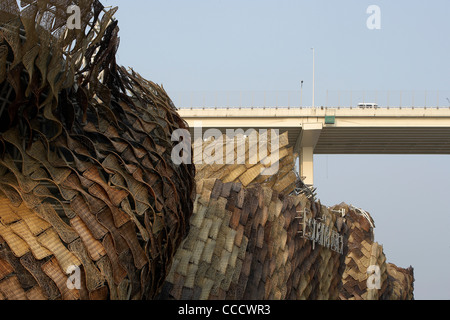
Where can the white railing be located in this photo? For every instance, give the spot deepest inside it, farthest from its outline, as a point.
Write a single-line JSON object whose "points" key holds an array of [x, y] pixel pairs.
{"points": [[292, 99]]}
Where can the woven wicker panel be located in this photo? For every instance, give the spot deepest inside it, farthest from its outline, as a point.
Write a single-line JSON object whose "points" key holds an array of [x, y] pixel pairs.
{"points": [[86, 176], [253, 170], [401, 283], [246, 243]]}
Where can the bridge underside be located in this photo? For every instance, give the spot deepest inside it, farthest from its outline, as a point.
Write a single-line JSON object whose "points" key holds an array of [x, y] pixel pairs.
{"points": [[411, 141], [358, 140], [416, 141]]}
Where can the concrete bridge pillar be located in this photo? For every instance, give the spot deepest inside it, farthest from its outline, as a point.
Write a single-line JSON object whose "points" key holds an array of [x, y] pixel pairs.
{"points": [[305, 146]]}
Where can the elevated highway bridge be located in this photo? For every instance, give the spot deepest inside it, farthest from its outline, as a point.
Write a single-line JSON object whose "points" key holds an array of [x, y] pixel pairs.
{"points": [[406, 130]]}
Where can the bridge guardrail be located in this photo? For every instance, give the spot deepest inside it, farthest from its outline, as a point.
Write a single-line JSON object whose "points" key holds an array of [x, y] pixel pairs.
{"points": [[291, 99]]}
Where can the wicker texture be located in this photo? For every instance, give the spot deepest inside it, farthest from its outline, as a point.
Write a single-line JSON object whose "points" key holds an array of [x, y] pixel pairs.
{"points": [[86, 177], [247, 243], [253, 170], [87, 181], [400, 283]]}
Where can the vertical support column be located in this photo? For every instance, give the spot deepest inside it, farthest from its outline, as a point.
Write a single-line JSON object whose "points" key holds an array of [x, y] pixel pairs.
{"points": [[306, 143], [307, 164]]}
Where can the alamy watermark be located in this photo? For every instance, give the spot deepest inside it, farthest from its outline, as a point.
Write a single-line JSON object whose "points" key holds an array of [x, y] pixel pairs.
{"points": [[74, 20], [74, 279], [374, 279], [235, 147], [374, 20]]}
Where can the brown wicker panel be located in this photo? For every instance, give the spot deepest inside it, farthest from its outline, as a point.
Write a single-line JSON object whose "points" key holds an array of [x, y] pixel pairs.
{"points": [[86, 175], [247, 243]]}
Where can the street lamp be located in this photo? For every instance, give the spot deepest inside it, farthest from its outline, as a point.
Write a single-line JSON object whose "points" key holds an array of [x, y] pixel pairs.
{"points": [[301, 94], [314, 76]]}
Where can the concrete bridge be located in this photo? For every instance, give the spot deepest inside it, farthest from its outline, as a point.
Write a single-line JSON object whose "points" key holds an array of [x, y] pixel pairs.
{"points": [[405, 130]]}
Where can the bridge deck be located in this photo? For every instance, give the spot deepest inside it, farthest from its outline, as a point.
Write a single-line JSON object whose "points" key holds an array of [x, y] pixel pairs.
{"points": [[344, 130]]}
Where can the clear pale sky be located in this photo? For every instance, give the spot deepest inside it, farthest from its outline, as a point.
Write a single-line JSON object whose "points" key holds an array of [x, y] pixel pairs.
{"points": [[246, 45]]}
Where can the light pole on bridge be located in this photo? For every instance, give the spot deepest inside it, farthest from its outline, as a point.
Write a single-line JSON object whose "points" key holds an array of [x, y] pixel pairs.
{"points": [[301, 94], [314, 76]]}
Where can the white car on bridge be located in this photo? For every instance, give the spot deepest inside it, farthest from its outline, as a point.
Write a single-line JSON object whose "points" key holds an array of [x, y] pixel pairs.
{"points": [[368, 105]]}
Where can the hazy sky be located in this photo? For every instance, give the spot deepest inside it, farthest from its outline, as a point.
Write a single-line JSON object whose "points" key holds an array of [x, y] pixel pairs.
{"points": [[246, 45]]}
